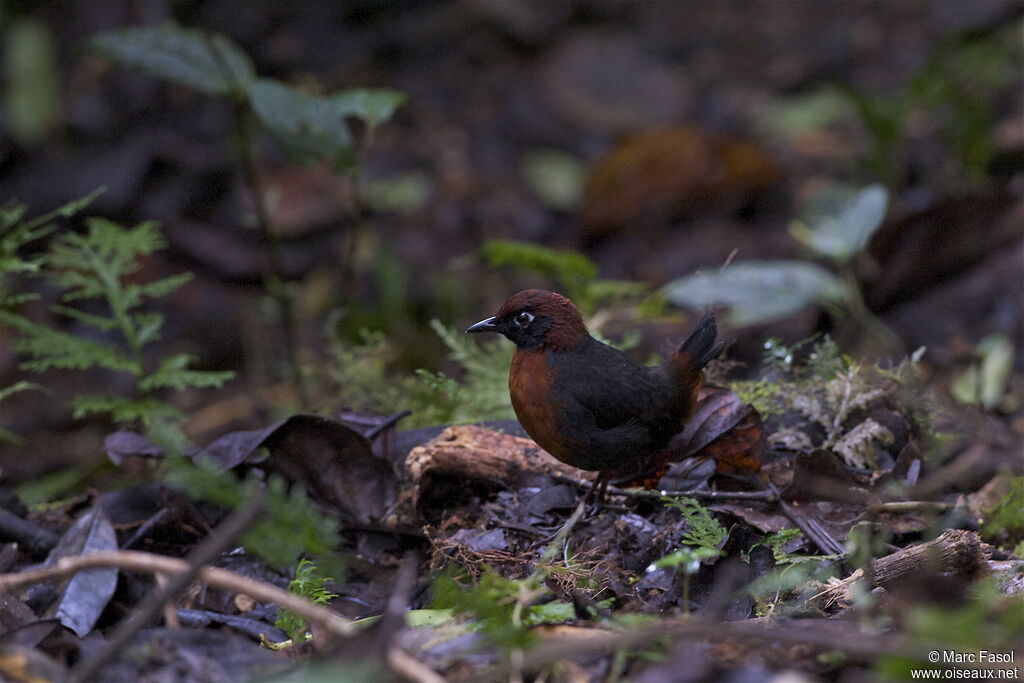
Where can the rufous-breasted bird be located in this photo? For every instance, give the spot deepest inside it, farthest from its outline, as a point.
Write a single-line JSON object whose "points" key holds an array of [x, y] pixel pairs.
{"points": [[587, 403]]}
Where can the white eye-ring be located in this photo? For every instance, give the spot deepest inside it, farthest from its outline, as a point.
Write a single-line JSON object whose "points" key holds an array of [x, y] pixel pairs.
{"points": [[523, 319]]}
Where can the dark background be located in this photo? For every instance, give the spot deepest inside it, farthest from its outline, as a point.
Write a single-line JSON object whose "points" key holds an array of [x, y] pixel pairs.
{"points": [[489, 84]]}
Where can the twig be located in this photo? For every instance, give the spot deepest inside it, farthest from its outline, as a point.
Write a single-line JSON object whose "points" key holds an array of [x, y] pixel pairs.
{"points": [[391, 421], [150, 563], [145, 527], [409, 668], [810, 527], [903, 506], [955, 550], [204, 553], [274, 280], [37, 540], [700, 494], [594, 643], [253, 628], [170, 614]]}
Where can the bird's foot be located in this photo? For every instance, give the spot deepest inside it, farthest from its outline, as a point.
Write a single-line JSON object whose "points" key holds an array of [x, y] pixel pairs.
{"points": [[595, 496]]}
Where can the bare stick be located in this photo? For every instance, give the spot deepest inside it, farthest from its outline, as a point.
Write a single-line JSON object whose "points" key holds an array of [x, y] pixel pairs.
{"points": [[150, 563], [38, 540], [204, 553], [700, 494], [955, 551]]}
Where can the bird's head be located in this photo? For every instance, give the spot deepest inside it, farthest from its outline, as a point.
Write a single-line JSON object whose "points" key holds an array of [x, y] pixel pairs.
{"points": [[537, 319]]}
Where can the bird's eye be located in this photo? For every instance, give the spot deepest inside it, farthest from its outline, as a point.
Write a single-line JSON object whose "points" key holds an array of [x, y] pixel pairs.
{"points": [[523, 319]]}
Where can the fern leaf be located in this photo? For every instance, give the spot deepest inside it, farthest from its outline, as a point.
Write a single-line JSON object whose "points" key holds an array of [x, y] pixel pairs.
{"points": [[121, 409], [164, 286], [20, 386], [98, 321], [147, 327], [54, 349], [174, 373]]}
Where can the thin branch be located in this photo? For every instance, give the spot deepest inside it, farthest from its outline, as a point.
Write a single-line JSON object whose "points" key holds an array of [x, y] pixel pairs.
{"points": [[150, 563], [700, 494], [204, 553], [597, 642], [274, 280], [38, 540]]}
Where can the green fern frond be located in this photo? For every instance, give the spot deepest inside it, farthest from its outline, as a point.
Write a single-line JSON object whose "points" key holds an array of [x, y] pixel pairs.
{"points": [[125, 410], [147, 327], [95, 265], [98, 321], [54, 349], [173, 373], [164, 286]]}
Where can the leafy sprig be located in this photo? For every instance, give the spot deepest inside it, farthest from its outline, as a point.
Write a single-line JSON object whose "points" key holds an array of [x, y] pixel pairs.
{"points": [[96, 269]]}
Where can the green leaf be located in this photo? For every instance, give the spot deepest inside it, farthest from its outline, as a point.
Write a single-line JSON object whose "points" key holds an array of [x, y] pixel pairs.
{"points": [[310, 129], [55, 349], [688, 559], [101, 322], [121, 409], [984, 383], [208, 62], [996, 368], [758, 291], [555, 177], [573, 271], [33, 85], [20, 386], [402, 193], [164, 286], [374, 106], [839, 221], [174, 373], [147, 327]]}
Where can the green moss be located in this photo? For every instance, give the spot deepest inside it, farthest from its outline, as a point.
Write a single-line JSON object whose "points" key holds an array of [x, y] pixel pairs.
{"points": [[764, 395]]}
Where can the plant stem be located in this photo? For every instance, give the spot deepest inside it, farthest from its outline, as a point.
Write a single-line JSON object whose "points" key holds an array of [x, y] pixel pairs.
{"points": [[858, 309], [273, 279]]}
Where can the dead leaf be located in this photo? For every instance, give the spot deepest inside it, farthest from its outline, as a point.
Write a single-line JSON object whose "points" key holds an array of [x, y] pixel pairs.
{"points": [[722, 428], [83, 597]]}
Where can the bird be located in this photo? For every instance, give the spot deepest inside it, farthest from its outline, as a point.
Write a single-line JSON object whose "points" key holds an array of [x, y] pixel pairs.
{"points": [[587, 403]]}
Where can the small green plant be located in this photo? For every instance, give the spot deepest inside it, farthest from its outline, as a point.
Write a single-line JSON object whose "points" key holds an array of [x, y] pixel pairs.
{"points": [[988, 622], [573, 274], [836, 225], [833, 394], [362, 377], [483, 392], [307, 584], [310, 128], [950, 98], [794, 573], [5, 434], [17, 233], [480, 392], [984, 383], [700, 541], [702, 529], [502, 609], [291, 525], [952, 94], [1004, 522], [96, 266]]}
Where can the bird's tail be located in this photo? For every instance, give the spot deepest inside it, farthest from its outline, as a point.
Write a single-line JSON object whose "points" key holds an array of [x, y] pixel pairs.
{"points": [[702, 346], [685, 365]]}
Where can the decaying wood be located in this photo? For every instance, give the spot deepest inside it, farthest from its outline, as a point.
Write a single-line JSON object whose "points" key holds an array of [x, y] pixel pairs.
{"points": [[482, 455], [955, 551]]}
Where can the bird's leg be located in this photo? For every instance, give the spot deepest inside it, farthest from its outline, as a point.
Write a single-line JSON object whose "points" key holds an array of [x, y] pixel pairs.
{"points": [[595, 496]]}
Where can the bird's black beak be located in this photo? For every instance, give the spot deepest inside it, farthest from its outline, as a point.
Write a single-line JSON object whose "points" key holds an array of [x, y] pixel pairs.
{"points": [[484, 326]]}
